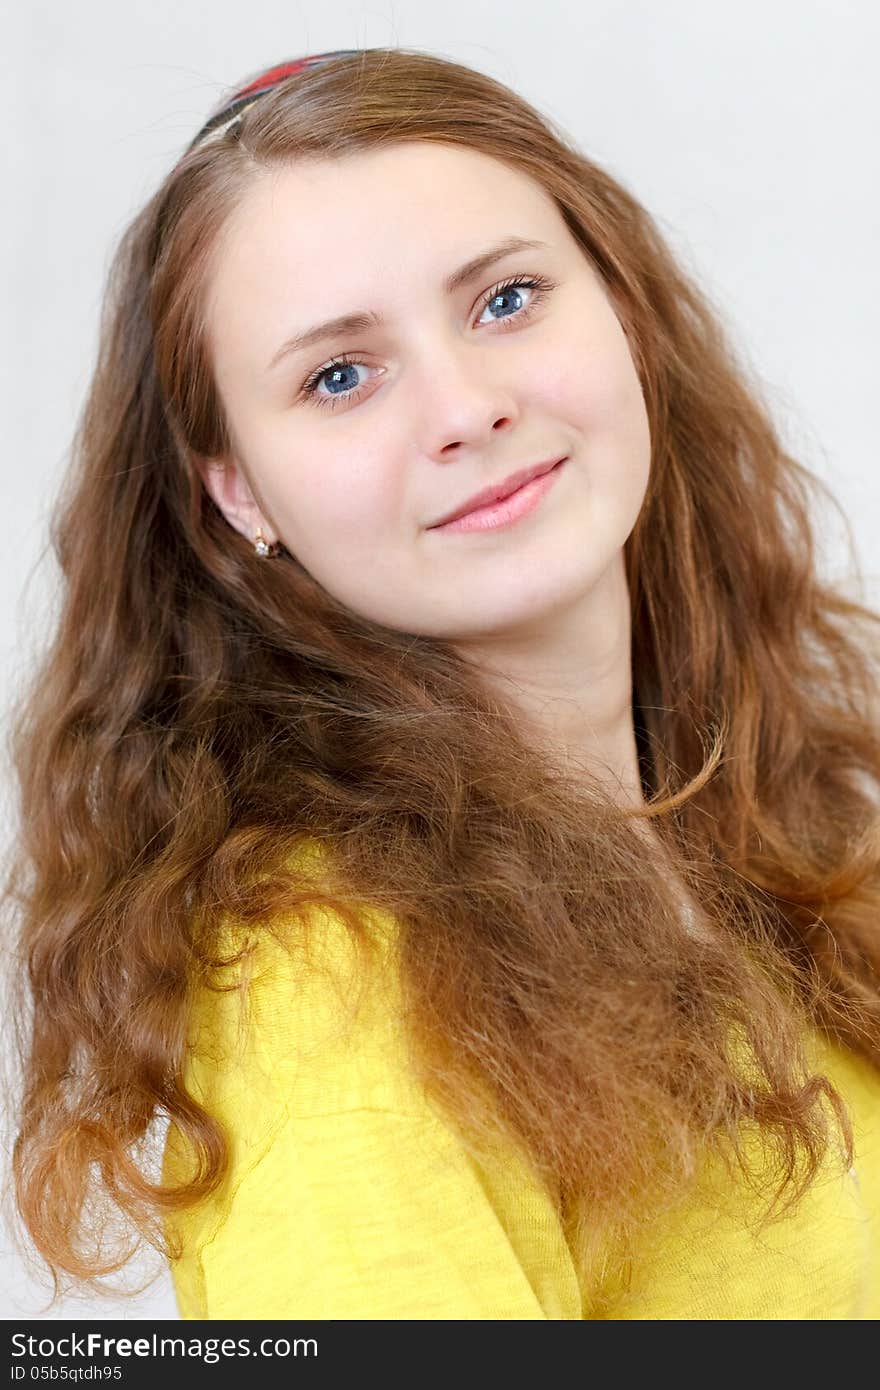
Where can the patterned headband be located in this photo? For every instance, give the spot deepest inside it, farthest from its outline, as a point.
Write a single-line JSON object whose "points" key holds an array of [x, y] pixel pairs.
{"points": [[219, 123]]}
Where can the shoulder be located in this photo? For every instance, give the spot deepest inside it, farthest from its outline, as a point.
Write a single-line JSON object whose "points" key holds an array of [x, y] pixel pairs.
{"points": [[307, 1024], [346, 1195]]}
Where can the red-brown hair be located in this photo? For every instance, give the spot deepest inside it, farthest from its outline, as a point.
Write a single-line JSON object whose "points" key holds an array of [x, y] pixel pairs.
{"points": [[200, 711]]}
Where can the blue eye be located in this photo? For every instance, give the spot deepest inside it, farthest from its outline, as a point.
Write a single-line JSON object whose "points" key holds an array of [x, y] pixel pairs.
{"points": [[341, 366], [511, 290]]}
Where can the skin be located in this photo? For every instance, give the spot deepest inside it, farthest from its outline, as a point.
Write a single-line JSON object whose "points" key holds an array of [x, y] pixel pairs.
{"points": [[455, 392]]}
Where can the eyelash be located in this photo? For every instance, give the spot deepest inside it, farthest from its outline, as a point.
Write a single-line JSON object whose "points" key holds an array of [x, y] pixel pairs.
{"points": [[539, 283]]}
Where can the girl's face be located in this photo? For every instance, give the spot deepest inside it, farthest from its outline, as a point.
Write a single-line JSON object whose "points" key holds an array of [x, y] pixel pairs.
{"points": [[451, 382]]}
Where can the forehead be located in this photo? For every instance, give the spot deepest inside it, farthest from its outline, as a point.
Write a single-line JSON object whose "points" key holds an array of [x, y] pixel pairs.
{"points": [[377, 211]]}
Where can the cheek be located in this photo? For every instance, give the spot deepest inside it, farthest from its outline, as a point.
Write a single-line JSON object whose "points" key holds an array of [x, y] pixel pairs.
{"points": [[593, 384], [339, 503], [586, 375]]}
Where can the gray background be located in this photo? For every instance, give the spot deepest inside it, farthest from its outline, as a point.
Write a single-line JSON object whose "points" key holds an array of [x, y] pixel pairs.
{"points": [[749, 131]]}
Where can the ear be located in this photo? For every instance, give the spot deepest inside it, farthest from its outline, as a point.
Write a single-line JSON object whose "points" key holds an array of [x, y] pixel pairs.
{"points": [[226, 483]]}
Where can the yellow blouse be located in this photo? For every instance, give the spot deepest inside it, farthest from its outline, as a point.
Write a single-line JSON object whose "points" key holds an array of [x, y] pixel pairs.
{"points": [[348, 1197]]}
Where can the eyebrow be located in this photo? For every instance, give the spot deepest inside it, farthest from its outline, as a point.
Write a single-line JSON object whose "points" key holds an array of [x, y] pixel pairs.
{"points": [[360, 320]]}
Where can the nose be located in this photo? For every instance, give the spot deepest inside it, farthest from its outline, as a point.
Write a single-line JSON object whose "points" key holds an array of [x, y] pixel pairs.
{"points": [[462, 401]]}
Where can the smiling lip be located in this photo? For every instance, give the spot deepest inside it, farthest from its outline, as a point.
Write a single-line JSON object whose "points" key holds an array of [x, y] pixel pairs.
{"points": [[506, 510], [499, 491]]}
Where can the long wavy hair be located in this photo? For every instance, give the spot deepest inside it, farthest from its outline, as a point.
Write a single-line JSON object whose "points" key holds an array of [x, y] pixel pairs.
{"points": [[201, 713]]}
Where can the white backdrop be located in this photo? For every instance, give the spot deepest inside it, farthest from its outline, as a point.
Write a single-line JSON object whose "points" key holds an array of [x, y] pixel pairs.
{"points": [[748, 130]]}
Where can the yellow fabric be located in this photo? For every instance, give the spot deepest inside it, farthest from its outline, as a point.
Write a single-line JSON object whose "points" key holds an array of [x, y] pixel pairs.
{"points": [[349, 1198]]}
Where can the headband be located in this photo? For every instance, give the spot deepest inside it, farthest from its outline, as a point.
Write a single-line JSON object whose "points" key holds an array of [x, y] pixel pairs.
{"points": [[244, 97]]}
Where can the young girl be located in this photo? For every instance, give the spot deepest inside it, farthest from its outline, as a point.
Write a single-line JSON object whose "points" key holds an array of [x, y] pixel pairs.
{"points": [[450, 800]]}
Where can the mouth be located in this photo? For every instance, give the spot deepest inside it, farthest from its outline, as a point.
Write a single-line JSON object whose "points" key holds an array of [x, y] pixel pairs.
{"points": [[503, 511], [499, 492]]}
